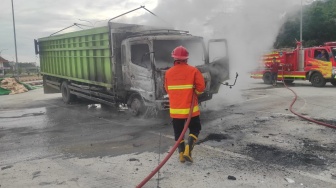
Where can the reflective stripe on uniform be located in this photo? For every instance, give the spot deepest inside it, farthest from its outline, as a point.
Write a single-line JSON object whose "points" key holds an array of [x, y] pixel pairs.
{"points": [[183, 111], [198, 93], [180, 87]]}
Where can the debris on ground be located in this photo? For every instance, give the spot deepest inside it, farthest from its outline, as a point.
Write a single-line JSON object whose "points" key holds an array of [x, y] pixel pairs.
{"points": [[13, 86], [289, 180], [10, 86], [232, 178], [6, 167], [133, 159]]}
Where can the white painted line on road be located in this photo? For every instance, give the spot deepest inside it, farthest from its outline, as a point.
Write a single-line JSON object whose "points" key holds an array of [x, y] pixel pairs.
{"points": [[318, 177], [238, 155]]}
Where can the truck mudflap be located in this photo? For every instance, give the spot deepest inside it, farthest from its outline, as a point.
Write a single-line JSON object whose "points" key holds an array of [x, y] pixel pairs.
{"points": [[50, 86]]}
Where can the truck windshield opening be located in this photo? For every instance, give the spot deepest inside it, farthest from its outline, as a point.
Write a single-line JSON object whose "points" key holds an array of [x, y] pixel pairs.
{"points": [[164, 48], [334, 53]]}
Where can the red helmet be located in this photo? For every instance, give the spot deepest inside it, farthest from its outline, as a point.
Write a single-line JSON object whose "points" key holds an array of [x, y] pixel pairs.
{"points": [[180, 53]]}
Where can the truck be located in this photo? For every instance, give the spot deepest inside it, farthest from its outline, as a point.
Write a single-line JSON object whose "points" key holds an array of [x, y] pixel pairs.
{"points": [[125, 64], [311, 66]]}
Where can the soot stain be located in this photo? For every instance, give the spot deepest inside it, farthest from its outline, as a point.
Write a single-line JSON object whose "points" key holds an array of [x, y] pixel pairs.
{"points": [[331, 122], [311, 145], [290, 159], [6, 167], [215, 137]]}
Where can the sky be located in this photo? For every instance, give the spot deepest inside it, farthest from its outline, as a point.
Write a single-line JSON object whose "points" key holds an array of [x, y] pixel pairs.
{"points": [[250, 26], [220, 18], [40, 18]]}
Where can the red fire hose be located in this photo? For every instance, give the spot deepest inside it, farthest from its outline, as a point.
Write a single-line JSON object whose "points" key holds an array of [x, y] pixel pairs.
{"points": [[170, 153], [299, 115]]}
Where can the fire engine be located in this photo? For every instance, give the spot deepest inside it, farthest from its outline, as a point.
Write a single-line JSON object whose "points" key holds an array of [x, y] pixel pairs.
{"points": [[318, 65]]}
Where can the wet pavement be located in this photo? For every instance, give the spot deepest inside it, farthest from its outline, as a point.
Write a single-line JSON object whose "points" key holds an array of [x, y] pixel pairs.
{"points": [[250, 135], [49, 127]]}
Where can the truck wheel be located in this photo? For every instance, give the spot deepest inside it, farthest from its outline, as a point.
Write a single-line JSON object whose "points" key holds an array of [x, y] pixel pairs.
{"points": [[66, 95], [317, 80], [333, 82], [267, 77], [136, 106]]}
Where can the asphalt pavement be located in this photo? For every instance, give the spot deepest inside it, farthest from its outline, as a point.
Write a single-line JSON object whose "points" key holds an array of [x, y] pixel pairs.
{"points": [[248, 133]]}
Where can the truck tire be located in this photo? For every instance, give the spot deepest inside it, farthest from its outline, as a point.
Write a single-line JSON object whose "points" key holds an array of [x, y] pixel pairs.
{"points": [[267, 77], [333, 82], [136, 106], [317, 80], [66, 95]]}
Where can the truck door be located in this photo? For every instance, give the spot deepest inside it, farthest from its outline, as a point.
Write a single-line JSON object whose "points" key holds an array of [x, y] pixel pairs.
{"points": [[218, 58], [320, 61], [138, 70]]}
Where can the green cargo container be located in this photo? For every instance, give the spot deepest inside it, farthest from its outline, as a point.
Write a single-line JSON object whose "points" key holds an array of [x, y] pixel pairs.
{"points": [[124, 64], [82, 56]]}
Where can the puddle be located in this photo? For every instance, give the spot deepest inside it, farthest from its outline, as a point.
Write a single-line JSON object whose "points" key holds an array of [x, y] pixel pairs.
{"points": [[24, 115]]}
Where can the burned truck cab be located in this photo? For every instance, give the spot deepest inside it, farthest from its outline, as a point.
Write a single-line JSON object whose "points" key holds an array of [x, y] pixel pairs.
{"points": [[146, 57], [122, 64]]}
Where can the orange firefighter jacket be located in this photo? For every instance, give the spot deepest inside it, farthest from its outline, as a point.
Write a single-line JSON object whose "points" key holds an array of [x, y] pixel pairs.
{"points": [[181, 81]]}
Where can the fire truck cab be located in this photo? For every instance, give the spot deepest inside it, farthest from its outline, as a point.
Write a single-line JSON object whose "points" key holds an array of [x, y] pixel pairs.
{"points": [[318, 65]]}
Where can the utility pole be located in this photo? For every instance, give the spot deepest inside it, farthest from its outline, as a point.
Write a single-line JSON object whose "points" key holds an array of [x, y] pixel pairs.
{"points": [[16, 58], [301, 52], [301, 25]]}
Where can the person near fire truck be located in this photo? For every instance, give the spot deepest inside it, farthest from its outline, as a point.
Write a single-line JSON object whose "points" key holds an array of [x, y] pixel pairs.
{"points": [[274, 71], [323, 56], [182, 81]]}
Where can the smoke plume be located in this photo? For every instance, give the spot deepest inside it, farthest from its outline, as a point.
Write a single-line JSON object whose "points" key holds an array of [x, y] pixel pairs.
{"points": [[249, 26]]}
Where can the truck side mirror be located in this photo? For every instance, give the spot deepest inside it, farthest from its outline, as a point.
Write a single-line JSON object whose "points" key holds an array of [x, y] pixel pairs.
{"points": [[36, 47]]}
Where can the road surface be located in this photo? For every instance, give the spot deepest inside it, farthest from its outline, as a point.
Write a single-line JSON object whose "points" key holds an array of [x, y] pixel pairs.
{"points": [[247, 133]]}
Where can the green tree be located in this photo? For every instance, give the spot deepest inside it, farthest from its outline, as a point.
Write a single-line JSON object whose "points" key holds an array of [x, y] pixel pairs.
{"points": [[319, 25]]}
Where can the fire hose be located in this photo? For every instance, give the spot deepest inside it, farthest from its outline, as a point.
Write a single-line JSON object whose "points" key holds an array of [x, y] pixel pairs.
{"points": [[300, 115], [171, 151]]}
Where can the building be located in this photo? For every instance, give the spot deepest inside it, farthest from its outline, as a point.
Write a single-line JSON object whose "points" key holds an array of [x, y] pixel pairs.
{"points": [[2, 67]]}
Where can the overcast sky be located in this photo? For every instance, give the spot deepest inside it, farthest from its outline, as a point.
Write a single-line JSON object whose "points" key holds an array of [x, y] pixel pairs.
{"points": [[40, 18], [245, 23]]}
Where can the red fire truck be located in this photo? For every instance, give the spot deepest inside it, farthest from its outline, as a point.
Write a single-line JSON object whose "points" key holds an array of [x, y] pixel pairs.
{"points": [[318, 65]]}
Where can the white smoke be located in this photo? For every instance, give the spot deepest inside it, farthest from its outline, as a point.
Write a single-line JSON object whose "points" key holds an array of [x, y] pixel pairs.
{"points": [[250, 26]]}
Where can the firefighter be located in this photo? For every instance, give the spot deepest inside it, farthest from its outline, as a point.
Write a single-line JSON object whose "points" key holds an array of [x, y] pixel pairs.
{"points": [[181, 82], [274, 71]]}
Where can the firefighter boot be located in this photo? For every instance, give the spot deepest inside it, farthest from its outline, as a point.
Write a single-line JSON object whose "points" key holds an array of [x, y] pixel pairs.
{"points": [[181, 148], [189, 147]]}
